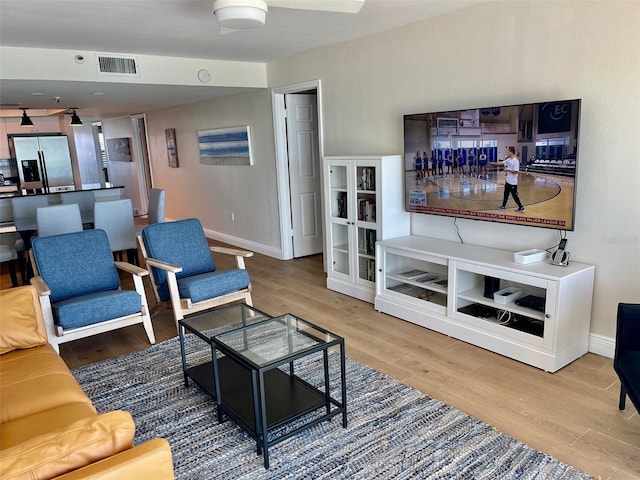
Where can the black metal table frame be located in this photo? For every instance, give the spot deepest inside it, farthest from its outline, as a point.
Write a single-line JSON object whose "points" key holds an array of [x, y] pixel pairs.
{"points": [[259, 398], [205, 381], [258, 387]]}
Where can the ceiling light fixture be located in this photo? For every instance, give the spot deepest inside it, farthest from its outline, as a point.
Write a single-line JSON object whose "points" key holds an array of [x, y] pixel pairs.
{"points": [[26, 121], [75, 119], [240, 14]]}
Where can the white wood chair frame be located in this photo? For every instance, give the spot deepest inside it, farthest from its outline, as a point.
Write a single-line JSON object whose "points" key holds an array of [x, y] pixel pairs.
{"points": [[57, 335], [184, 306]]}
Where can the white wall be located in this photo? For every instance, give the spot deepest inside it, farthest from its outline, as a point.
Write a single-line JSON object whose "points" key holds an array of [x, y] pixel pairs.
{"points": [[504, 53], [212, 192]]}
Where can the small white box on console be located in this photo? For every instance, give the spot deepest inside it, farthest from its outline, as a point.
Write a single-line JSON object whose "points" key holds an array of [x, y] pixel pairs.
{"points": [[530, 256], [507, 295]]}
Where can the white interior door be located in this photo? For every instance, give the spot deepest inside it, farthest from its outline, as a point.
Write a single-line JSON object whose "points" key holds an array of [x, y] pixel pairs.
{"points": [[304, 174]]}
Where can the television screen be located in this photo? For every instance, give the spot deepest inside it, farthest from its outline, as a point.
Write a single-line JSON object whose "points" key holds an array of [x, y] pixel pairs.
{"points": [[511, 164]]}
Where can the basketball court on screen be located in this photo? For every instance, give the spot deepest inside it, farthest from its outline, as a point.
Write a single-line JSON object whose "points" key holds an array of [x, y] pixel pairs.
{"points": [[544, 196]]}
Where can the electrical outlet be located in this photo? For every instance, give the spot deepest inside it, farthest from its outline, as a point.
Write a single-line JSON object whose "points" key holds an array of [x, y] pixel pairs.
{"points": [[232, 216]]}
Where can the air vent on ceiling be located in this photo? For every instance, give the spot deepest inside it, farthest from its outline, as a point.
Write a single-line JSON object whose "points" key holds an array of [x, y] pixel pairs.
{"points": [[117, 65]]}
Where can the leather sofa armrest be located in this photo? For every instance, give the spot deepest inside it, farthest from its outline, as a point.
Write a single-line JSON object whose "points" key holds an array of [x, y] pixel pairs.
{"points": [[22, 320], [79, 444], [151, 459]]}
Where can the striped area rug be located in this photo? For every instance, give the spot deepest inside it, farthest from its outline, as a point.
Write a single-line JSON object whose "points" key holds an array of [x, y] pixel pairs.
{"points": [[394, 431]]}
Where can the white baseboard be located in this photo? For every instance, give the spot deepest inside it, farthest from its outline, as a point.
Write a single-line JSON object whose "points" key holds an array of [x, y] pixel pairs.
{"points": [[241, 243], [601, 345], [246, 244]]}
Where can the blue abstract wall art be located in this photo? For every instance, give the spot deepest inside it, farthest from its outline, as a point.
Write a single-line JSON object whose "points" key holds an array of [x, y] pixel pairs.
{"points": [[225, 146]]}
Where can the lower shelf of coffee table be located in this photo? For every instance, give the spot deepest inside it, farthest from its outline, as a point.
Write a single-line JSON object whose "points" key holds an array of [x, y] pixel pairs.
{"points": [[286, 397]]}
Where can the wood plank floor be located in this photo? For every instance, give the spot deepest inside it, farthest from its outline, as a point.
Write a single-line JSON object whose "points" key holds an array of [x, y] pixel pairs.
{"points": [[572, 414]]}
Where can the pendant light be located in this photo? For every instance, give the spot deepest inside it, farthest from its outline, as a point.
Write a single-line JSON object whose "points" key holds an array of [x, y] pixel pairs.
{"points": [[26, 121], [75, 119]]}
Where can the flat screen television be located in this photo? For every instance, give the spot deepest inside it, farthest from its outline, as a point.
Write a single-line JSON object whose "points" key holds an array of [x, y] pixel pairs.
{"points": [[453, 163]]}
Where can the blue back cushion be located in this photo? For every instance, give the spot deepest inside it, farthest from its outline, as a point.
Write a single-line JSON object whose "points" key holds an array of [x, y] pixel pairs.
{"points": [[180, 243], [75, 264]]}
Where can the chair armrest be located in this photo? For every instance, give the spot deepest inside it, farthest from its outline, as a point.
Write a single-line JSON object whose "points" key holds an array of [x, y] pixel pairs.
{"points": [[41, 287], [231, 251], [169, 267], [44, 294], [132, 269], [151, 459]]}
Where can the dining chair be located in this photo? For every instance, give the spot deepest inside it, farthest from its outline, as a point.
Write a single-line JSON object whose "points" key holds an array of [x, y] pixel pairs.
{"points": [[23, 257], [57, 219], [24, 218], [80, 290], [115, 217], [9, 255], [85, 200], [156, 207], [24, 209], [182, 269], [157, 200]]}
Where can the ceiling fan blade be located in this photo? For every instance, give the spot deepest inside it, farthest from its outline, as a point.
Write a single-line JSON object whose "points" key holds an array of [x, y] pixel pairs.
{"points": [[340, 6]]}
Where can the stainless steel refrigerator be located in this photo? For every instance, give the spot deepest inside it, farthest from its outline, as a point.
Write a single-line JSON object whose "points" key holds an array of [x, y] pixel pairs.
{"points": [[44, 163]]}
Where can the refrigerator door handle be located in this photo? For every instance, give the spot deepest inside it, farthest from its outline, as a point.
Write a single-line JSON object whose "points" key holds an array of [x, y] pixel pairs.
{"points": [[43, 171]]}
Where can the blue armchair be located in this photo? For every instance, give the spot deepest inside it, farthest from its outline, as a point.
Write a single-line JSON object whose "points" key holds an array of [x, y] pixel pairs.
{"points": [[626, 361], [79, 287], [183, 270]]}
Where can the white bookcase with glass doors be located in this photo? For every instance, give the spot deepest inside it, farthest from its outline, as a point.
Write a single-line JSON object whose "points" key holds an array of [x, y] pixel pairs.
{"points": [[364, 198]]}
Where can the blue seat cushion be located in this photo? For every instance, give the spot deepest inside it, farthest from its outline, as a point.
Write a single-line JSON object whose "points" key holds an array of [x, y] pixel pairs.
{"points": [[213, 284], [181, 243], [76, 264], [95, 308]]}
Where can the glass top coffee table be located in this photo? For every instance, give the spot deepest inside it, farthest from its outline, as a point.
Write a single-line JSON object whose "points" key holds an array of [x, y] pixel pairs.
{"points": [[204, 326], [252, 373]]}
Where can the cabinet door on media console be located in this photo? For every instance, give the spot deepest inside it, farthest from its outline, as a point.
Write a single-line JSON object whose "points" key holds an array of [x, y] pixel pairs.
{"points": [[510, 320], [410, 278]]}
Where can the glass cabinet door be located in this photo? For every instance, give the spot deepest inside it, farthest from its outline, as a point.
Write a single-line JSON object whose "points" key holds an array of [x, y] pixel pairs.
{"points": [[339, 220], [340, 248], [366, 226]]}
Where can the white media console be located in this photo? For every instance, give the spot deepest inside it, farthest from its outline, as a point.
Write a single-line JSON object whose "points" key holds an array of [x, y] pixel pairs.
{"points": [[428, 281]]}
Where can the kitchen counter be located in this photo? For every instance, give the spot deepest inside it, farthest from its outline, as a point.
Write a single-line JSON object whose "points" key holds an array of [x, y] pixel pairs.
{"points": [[101, 194], [23, 193]]}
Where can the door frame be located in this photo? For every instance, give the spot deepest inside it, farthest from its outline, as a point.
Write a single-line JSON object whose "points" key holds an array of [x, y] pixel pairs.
{"points": [[145, 175], [282, 159]]}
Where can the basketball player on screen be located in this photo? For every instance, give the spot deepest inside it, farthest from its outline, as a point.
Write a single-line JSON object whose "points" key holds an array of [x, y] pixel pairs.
{"points": [[512, 168]]}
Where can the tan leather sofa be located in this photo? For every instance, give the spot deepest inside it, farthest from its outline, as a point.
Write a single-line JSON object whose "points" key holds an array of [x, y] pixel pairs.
{"points": [[48, 426]]}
